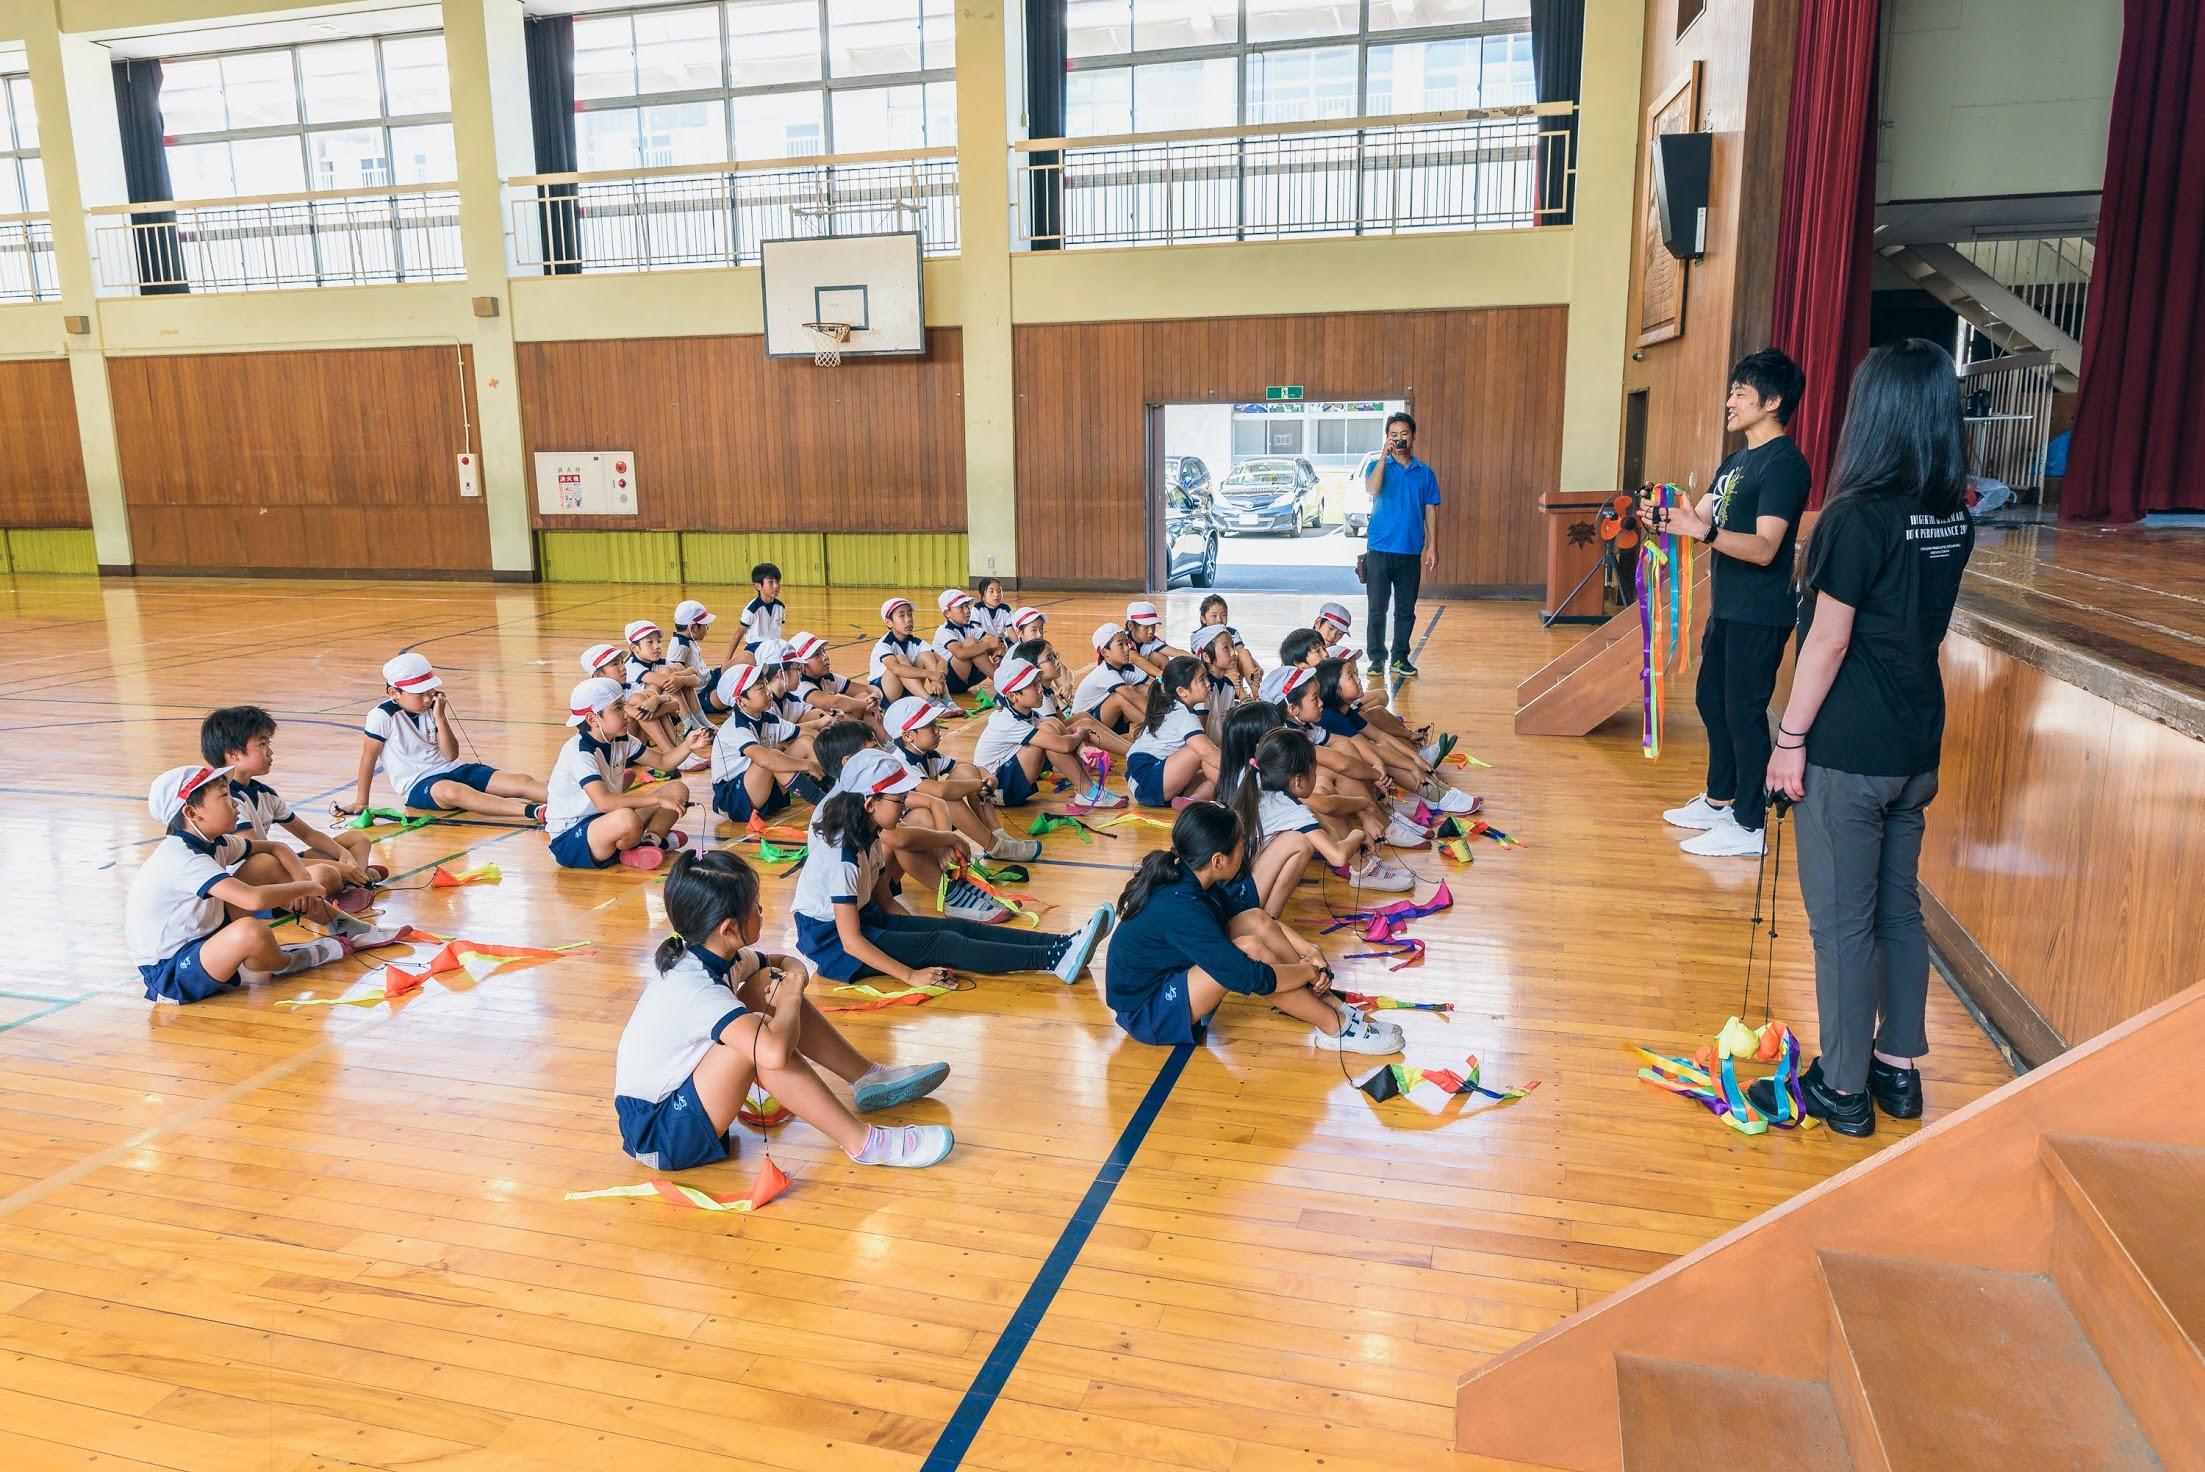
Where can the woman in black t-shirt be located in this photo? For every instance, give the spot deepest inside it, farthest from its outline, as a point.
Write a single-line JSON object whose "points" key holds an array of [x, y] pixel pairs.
{"points": [[1858, 744]]}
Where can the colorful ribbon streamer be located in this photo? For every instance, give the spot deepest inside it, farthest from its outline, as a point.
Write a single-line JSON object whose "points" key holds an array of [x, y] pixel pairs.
{"points": [[1457, 828], [1047, 823], [1714, 1083], [1396, 1079], [910, 996], [770, 1184], [1387, 921], [375, 817], [1397, 955], [477, 958], [1461, 759], [1371, 1003], [443, 878]]}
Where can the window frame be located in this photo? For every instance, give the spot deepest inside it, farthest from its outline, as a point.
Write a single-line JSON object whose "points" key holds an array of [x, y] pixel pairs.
{"points": [[1362, 39], [725, 95], [11, 156]]}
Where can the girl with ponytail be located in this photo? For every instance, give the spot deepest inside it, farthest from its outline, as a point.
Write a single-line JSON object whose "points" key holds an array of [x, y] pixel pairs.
{"points": [[1182, 944], [720, 1014], [1172, 755], [1273, 805]]}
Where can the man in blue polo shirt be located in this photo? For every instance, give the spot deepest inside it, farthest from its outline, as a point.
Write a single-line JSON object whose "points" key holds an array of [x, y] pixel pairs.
{"points": [[1403, 492]]}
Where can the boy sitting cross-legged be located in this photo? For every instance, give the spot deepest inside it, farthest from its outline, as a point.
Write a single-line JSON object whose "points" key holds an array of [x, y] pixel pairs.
{"points": [[1015, 747], [594, 819], [243, 739], [412, 734]]}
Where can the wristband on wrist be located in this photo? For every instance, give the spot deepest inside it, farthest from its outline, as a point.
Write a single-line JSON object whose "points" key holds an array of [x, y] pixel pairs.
{"points": [[1780, 746], [1784, 730]]}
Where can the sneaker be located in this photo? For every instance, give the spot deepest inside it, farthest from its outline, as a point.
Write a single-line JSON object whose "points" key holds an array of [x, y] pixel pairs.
{"points": [[1101, 797], [1698, 815], [1361, 1034], [1403, 834], [1848, 1114], [352, 899], [1013, 848], [362, 935], [912, 1145], [534, 813], [1725, 841], [1403, 668], [696, 761], [885, 1088], [965, 901], [1451, 799], [1082, 949], [1377, 664], [1386, 878], [674, 841], [643, 856], [1897, 1091], [1412, 810], [691, 724], [1430, 753]]}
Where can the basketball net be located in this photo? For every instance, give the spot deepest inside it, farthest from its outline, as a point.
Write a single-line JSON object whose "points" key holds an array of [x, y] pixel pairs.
{"points": [[827, 341]]}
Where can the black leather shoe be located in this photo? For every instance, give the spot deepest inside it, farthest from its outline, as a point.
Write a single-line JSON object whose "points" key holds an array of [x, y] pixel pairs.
{"points": [[1897, 1091], [1848, 1114]]}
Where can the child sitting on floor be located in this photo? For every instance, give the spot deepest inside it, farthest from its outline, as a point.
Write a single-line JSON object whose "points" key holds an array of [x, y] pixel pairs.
{"points": [[1182, 945], [1111, 692], [1245, 671], [190, 924], [1349, 786], [820, 688], [1144, 628], [902, 663], [1172, 756], [969, 650], [243, 739], [413, 734], [991, 613], [850, 924], [1014, 747], [685, 651], [922, 844], [1270, 791], [676, 707], [593, 818], [756, 761], [1212, 646], [951, 793], [717, 1014], [1056, 700]]}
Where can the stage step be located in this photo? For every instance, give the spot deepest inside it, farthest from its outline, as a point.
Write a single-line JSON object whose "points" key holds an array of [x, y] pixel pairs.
{"points": [[2126, 1256], [1690, 1418], [1935, 1366]]}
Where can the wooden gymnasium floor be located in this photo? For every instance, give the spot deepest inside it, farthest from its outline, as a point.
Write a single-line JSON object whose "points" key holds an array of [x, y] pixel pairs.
{"points": [[242, 1236]]}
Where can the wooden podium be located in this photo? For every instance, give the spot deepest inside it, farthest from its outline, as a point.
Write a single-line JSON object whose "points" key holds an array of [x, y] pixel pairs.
{"points": [[1573, 549]]}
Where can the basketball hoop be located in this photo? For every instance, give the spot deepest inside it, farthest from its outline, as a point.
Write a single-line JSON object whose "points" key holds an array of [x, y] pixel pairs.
{"points": [[827, 341]]}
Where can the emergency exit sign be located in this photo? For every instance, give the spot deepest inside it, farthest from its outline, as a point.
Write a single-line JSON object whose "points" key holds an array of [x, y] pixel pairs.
{"points": [[1279, 391]]}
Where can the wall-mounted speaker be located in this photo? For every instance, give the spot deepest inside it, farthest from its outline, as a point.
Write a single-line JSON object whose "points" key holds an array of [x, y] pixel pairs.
{"points": [[1682, 162]]}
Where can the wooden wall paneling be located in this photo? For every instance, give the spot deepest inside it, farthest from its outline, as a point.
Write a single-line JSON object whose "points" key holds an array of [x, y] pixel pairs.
{"points": [[42, 474], [1486, 387], [333, 460], [2063, 840], [728, 439]]}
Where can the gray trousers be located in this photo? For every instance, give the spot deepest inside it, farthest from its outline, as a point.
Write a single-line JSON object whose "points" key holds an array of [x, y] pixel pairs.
{"points": [[1859, 841]]}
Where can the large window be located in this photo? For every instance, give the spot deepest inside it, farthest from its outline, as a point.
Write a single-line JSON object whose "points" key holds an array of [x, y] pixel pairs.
{"points": [[26, 246], [354, 115], [1146, 66], [763, 79]]}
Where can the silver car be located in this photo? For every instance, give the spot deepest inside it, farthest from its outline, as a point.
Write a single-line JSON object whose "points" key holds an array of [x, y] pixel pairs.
{"points": [[1272, 493]]}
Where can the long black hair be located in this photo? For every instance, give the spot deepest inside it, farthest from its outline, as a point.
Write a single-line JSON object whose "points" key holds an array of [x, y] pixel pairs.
{"points": [[843, 822], [1180, 671], [1902, 433], [704, 892], [835, 745], [1245, 725], [1328, 674], [1281, 757], [1202, 831]]}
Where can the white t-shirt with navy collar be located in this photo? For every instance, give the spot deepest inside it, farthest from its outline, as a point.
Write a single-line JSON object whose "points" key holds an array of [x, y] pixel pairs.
{"points": [[637, 668], [683, 652], [950, 633], [259, 807], [681, 1014], [1002, 738], [1095, 686], [737, 735], [891, 645], [762, 621], [1282, 812], [583, 760], [1170, 734], [927, 766], [834, 875], [170, 903], [996, 620], [410, 750]]}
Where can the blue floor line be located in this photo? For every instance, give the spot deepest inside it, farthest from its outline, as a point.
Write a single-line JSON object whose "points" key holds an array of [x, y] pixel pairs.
{"points": [[964, 1424]]}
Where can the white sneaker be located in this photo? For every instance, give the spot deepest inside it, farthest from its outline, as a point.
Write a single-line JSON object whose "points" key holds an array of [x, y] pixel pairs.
{"points": [[1082, 947], [1698, 814], [1101, 797], [916, 1145], [1452, 800], [1013, 849], [1726, 840], [696, 761], [1431, 753], [1386, 878], [1401, 833], [1360, 1034], [966, 901]]}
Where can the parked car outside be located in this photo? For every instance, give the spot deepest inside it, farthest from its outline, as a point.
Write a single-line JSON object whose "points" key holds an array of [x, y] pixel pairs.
{"points": [[1188, 472], [1357, 515], [1272, 493], [1190, 523]]}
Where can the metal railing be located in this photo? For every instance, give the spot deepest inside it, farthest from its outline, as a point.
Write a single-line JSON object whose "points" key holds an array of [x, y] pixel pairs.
{"points": [[336, 237], [27, 259], [1478, 169], [2008, 418], [681, 217], [2051, 274]]}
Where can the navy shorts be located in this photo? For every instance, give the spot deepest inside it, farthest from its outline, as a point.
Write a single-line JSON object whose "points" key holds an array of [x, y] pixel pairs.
{"points": [[959, 684], [1342, 722], [732, 799], [820, 943], [1013, 788], [181, 978], [1164, 1017], [1144, 774], [674, 1134], [571, 849], [708, 699], [473, 774]]}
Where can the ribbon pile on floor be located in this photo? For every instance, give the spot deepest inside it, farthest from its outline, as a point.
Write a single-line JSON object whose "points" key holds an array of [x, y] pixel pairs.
{"points": [[1047, 823], [376, 817], [1396, 1079], [1370, 1003], [1710, 1076], [1664, 581], [1462, 759], [1397, 954], [770, 1183], [477, 958], [1386, 922], [878, 998]]}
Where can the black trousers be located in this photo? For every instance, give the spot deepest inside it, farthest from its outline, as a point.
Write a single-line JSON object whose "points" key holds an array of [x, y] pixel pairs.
{"points": [[1392, 577], [968, 945], [1738, 664]]}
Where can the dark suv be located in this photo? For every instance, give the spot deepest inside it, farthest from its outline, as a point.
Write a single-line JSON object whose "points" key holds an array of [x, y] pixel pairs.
{"points": [[1190, 522]]}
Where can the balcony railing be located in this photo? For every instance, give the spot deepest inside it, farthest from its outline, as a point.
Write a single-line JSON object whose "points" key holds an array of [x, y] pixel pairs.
{"points": [[681, 217], [1471, 170], [27, 259], [272, 242]]}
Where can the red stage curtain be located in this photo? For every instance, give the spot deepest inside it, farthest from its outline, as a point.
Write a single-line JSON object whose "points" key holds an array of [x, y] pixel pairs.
{"points": [[1824, 235], [2140, 424]]}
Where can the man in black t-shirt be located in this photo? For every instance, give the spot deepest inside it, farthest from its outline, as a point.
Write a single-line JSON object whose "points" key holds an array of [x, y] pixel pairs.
{"points": [[1750, 516]]}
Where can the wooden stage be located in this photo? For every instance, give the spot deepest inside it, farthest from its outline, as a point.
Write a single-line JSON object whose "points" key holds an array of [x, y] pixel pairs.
{"points": [[243, 1236]]}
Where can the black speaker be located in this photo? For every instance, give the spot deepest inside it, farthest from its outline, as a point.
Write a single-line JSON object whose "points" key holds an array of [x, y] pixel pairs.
{"points": [[1681, 164]]}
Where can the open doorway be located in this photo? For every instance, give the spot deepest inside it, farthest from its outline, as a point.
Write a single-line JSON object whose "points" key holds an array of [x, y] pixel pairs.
{"points": [[1264, 497]]}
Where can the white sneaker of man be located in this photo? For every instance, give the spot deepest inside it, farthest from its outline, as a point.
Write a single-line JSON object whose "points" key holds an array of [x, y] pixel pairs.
{"points": [[1726, 840], [1698, 815]]}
